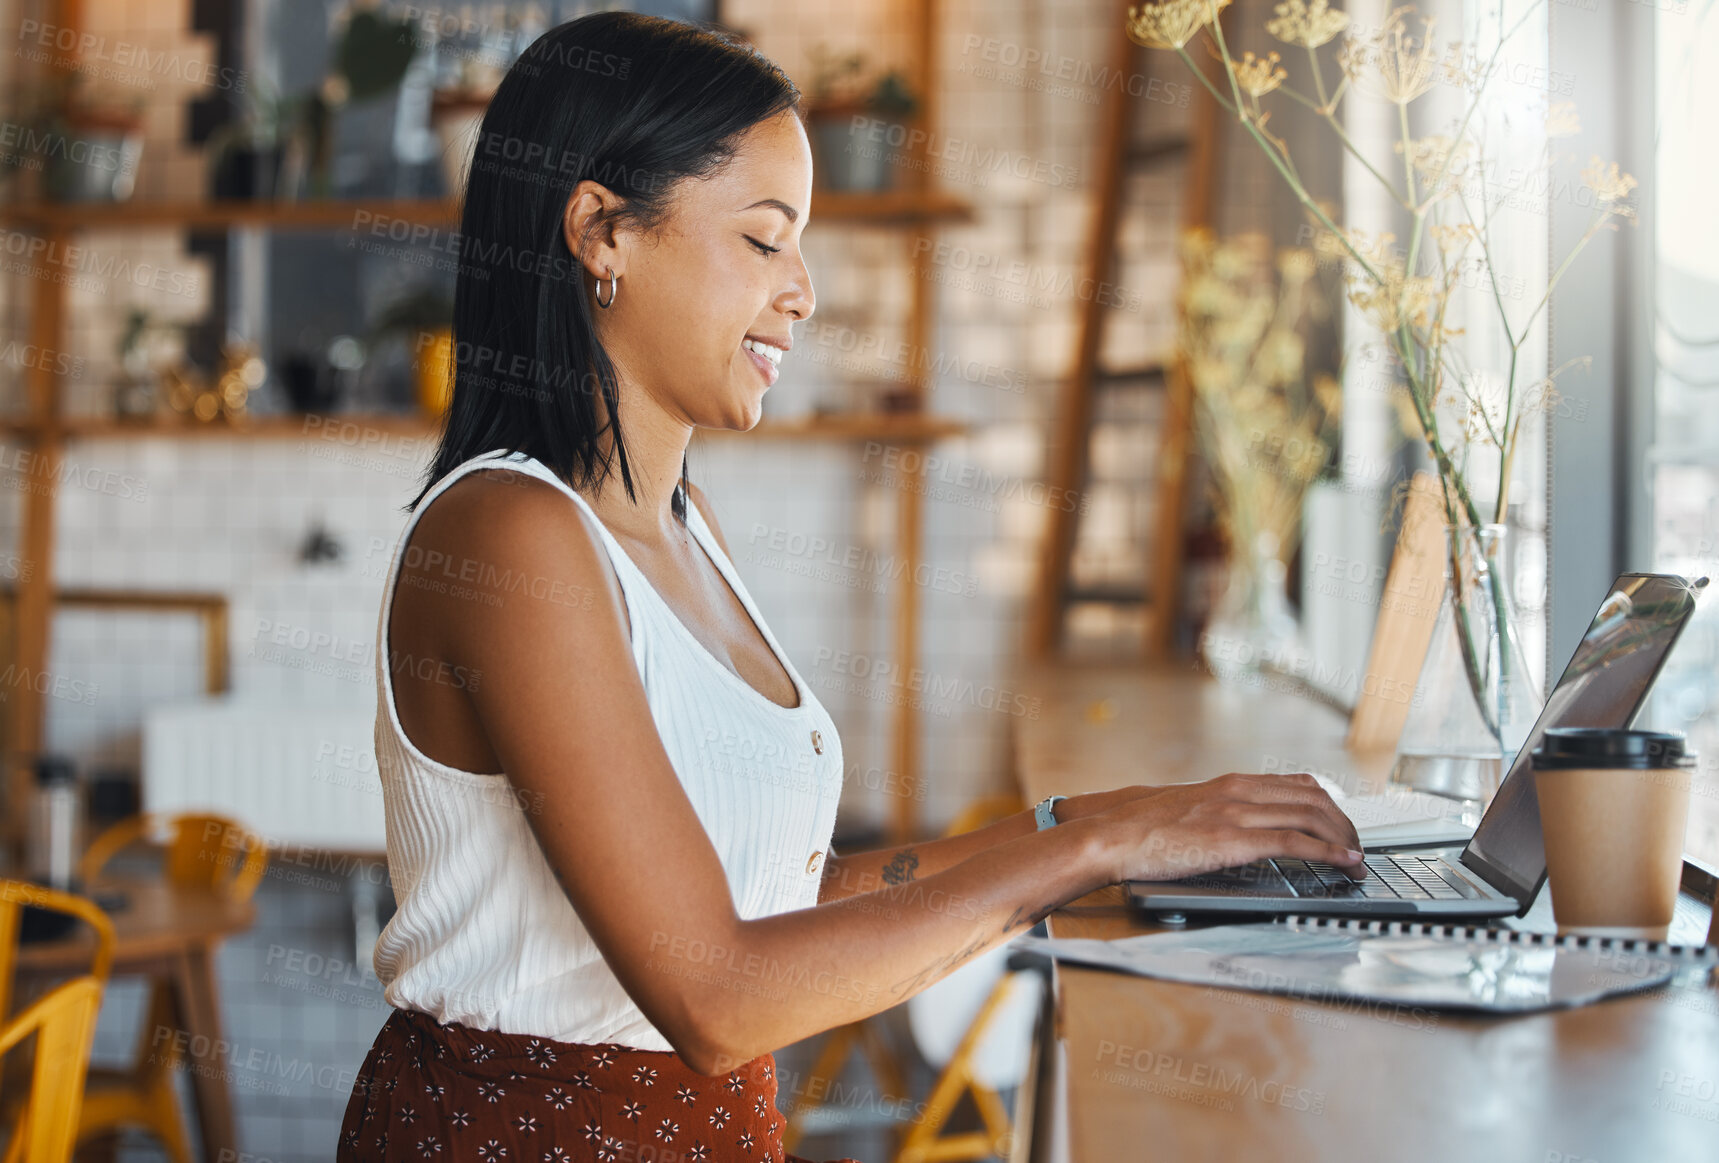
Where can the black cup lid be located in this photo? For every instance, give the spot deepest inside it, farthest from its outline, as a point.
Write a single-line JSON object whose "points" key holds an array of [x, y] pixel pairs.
{"points": [[1573, 747]]}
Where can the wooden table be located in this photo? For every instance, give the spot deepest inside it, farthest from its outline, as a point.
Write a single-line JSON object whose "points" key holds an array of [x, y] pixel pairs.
{"points": [[1158, 1070], [171, 933]]}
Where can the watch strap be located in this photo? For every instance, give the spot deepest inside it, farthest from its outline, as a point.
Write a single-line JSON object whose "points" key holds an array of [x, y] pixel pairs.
{"points": [[1042, 811]]}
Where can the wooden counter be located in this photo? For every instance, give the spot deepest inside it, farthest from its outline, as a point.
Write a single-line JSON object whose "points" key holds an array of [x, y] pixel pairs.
{"points": [[1157, 1070]]}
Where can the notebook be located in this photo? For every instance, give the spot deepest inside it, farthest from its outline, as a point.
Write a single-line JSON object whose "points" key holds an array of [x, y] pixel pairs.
{"points": [[1430, 966]]}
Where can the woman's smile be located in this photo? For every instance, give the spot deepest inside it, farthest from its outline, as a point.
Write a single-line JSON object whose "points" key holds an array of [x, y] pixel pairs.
{"points": [[766, 357]]}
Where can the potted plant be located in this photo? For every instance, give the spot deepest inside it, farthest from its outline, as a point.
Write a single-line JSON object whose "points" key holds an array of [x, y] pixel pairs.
{"points": [[85, 146], [246, 154], [276, 142], [369, 60], [854, 121]]}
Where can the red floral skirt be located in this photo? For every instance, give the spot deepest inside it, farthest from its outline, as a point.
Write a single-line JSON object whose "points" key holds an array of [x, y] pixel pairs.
{"points": [[449, 1092]]}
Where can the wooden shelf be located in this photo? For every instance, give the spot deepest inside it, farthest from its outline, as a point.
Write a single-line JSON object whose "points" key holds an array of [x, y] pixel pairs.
{"points": [[310, 215], [335, 427], [889, 207], [910, 427], [285, 426], [883, 208]]}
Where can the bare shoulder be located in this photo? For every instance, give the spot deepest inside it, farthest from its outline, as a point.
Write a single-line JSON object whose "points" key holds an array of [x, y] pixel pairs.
{"points": [[696, 495], [499, 494], [496, 534]]}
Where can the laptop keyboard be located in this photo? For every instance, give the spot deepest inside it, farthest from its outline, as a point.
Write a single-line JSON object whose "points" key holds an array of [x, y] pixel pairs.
{"points": [[1399, 877], [1392, 878]]}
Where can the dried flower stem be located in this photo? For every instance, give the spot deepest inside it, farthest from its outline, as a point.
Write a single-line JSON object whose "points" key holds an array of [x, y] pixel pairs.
{"points": [[1409, 307]]}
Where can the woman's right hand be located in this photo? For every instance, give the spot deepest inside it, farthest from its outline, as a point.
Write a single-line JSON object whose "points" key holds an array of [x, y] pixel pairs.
{"points": [[1190, 828]]}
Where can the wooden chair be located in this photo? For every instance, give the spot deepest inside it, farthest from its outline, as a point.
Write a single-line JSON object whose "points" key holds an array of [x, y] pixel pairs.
{"points": [[63, 1021], [840, 1043], [838, 1046], [201, 851], [964, 1073]]}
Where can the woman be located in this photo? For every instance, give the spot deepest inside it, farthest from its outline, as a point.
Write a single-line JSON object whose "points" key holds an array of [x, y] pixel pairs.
{"points": [[609, 795]]}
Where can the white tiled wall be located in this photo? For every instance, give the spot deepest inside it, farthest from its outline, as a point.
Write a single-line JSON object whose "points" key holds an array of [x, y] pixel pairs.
{"points": [[224, 516]]}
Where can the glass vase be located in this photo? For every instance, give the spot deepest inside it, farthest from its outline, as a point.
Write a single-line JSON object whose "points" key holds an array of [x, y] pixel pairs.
{"points": [[1475, 700], [1252, 630]]}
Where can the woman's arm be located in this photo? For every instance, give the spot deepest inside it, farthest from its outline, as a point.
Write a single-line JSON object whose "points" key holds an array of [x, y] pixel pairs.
{"points": [[863, 872], [562, 706]]}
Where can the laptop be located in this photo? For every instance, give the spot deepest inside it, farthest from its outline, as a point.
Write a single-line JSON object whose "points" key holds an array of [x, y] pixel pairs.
{"points": [[1500, 871]]}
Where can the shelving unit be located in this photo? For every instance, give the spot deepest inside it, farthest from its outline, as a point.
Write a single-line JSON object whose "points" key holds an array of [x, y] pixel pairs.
{"points": [[281, 426], [886, 207], [906, 427], [46, 431], [319, 214]]}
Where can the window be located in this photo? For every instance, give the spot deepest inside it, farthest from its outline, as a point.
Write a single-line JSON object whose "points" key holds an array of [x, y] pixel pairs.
{"points": [[1682, 451]]}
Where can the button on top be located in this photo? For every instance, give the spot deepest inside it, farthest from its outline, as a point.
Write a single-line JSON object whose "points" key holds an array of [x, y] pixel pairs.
{"points": [[813, 862], [817, 743]]}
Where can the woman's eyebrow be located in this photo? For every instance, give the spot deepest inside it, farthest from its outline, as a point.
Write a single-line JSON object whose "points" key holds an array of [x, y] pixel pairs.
{"points": [[792, 214]]}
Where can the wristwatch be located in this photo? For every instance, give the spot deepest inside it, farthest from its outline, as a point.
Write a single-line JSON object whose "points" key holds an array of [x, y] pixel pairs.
{"points": [[1043, 813]]}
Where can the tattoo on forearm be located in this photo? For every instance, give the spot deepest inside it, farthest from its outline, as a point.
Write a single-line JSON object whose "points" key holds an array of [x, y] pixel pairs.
{"points": [[909, 986], [1023, 916], [1027, 918], [900, 868]]}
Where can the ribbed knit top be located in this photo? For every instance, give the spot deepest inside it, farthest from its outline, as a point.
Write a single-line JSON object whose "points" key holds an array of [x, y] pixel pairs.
{"points": [[483, 933]]}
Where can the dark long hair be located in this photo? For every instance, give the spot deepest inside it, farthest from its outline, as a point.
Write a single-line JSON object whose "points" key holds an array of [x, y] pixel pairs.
{"points": [[638, 104]]}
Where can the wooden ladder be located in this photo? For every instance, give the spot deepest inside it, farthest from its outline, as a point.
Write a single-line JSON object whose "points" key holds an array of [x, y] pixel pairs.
{"points": [[1068, 472]]}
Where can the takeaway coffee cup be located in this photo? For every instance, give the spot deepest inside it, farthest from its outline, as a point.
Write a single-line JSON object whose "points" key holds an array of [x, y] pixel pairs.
{"points": [[1613, 807]]}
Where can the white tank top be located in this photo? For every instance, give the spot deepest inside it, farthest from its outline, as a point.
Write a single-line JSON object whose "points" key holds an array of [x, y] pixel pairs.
{"points": [[483, 934]]}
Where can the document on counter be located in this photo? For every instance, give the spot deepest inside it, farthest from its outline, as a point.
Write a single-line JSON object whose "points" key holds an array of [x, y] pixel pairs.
{"points": [[1445, 967], [1401, 815]]}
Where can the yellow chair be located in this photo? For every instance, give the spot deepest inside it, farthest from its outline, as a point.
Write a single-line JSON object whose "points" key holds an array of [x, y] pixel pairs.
{"points": [[63, 1021], [962, 1074], [202, 851], [925, 1141], [840, 1043]]}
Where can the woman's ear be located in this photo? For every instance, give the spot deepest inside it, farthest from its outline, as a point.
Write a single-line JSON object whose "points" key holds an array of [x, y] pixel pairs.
{"points": [[587, 225]]}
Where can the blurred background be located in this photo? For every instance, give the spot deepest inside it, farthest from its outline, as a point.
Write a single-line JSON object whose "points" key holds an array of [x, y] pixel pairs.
{"points": [[227, 257]]}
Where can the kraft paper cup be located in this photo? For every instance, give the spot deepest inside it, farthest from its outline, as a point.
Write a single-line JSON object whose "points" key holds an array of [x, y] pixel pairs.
{"points": [[1613, 808]]}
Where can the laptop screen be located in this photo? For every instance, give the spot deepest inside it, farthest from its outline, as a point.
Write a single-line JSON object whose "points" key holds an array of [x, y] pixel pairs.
{"points": [[1603, 686]]}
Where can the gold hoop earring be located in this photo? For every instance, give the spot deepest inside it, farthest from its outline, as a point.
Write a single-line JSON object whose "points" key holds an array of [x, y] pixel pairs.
{"points": [[614, 285]]}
